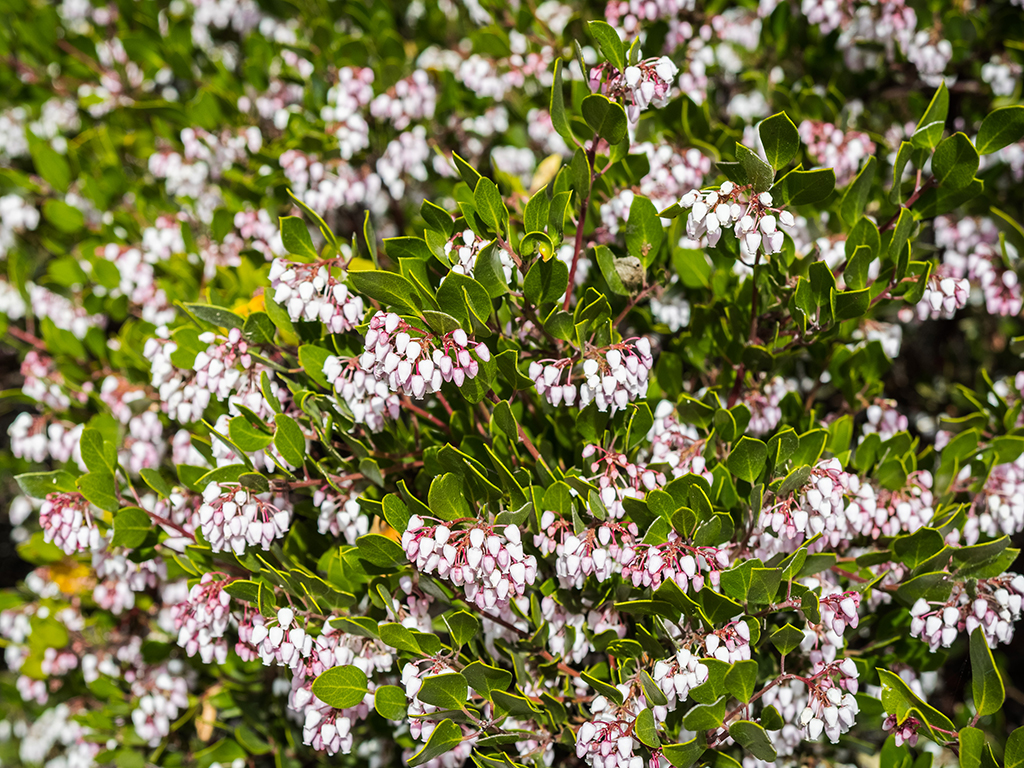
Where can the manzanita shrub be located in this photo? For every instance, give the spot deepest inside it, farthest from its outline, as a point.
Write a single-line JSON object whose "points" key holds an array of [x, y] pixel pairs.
{"points": [[512, 384]]}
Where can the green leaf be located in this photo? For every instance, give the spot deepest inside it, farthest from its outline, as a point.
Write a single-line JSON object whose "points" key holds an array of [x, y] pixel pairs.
{"points": [[447, 497], [685, 754], [296, 240], [246, 436], [754, 738], [39, 484], [608, 40], [289, 440], [645, 729], [644, 232], [63, 216], [929, 129], [741, 678], [312, 359], [447, 691], [380, 550], [652, 692], [50, 164], [444, 738], [705, 716], [780, 139], [897, 698], [902, 158], [388, 288], [341, 687], [131, 527], [804, 187], [986, 683], [484, 679], [546, 281], [852, 304], [918, 547], [760, 173], [1013, 755], [1000, 129], [603, 688], [955, 161], [856, 196], [390, 702], [747, 458], [972, 742], [856, 272], [370, 237], [462, 625], [559, 121], [155, 481], [218, 316], [489, 205], [786, 638], [100, 489], [606, 118], [606, 262]]}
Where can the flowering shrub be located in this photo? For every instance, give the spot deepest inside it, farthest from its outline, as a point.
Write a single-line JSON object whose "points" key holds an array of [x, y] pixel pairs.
{"points": [[622, 385]]}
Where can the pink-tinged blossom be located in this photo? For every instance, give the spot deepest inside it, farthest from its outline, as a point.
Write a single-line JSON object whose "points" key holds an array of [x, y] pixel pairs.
{"points": [[233, 518], [414, 361], [487, 561], [611, 377], [67, 522], [315, 292]]}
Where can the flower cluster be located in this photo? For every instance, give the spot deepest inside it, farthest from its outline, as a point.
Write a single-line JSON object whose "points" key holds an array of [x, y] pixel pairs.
{"points": [[202, 620], [67, 522], [312, 292], [600, 550], [754, 221], [831, 147], [233, 517], [489, 564], [647, 83], [995, 608], [366, 397], [678, 675], [612, 377], [416, 362], [675, 560], [829, 708]]}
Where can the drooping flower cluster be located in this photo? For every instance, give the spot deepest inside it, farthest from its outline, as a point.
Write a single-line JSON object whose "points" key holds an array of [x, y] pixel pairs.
{"points": [[67, 522], [366, 397], [489, 564], [339, 513], [815, 508], [416, 362], [943, 296], [829, 708], [641, 85], [612, 376], [676, 443], [755, 222], [607, 741], [618, 478], [202, 620], [831, 147], [313, 292], [233, 517], [678, 675], [675, 560], [995, 608], [600, 550], [1000, 510]]}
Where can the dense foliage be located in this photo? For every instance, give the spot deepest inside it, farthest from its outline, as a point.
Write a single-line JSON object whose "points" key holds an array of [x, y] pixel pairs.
{"points": [[512, 383]]}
